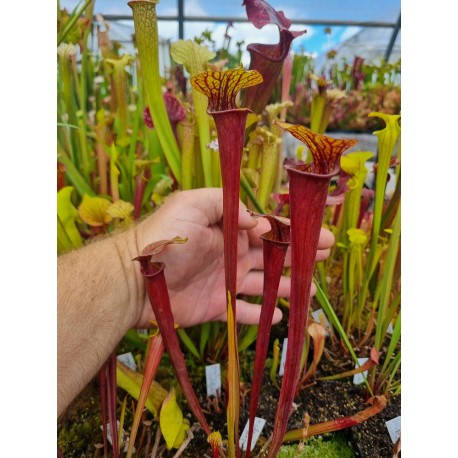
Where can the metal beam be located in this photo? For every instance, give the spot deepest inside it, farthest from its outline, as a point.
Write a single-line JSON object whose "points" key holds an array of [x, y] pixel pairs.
{"points": [[180, 20], [394, 35], [124, 17]]}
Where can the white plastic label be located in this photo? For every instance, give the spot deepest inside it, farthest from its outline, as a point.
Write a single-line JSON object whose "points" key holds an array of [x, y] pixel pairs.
{"points": [[320, 317], [359, 378], [110, 439], [213, 375], [257, 428], [394, 428], [128, 360], [281, 371], [389, 329]]}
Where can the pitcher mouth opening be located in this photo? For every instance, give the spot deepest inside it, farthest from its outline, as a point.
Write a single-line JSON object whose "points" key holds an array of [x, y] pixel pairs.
{"points": [[152, 269], [281, 48], [296, 169], [242, 110]]}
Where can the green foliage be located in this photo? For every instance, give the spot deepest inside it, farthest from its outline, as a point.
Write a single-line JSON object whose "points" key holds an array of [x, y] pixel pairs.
{"points": [[112, 158], [326, 446], [131, 382], [378, 90], [195, 57], [173, 425], [67, 231]]}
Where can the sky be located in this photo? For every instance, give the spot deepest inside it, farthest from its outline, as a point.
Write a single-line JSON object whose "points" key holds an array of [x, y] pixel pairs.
{"points": [[314, 42]]}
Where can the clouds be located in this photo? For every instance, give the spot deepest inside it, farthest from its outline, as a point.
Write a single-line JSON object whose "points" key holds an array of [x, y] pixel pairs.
{"points": [[195, 7], [313, 42], [240, 31], [338, 36], [349, 32]]}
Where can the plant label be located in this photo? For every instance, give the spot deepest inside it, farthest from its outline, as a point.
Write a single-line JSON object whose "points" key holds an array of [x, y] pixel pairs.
{"points": [[359, 378], [128, 360], [110, 438], [320, 318], [389, 329], [281, 371], [213, 375], [257, 428], [394, 428]]}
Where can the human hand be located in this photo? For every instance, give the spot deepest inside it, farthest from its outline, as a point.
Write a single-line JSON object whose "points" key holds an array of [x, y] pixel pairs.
{"points": [[195, 271]]}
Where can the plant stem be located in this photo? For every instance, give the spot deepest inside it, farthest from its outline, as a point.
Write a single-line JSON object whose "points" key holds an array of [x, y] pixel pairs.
{"points": [[378, 404], [274, 252], [153, 358], [153, 273], [145, 22]]}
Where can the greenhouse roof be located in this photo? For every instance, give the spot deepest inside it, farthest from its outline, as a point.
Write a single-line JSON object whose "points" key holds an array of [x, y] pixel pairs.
{"points": [[325, 12], [329, 23]]}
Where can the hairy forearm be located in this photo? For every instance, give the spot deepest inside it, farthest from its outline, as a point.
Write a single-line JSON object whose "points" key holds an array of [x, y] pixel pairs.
{"points": [[99, 289]]}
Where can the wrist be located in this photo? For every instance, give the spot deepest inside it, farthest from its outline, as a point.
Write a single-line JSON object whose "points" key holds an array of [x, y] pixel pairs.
{"points": [[127, 248]]}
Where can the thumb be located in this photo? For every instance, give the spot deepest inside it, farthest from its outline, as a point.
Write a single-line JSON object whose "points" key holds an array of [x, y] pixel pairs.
{"points": [[246, 221], [213, 208]]}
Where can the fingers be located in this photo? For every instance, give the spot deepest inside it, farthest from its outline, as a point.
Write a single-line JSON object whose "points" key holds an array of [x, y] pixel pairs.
{"points": [[247, 313], [210, 200], [325, 243], [206, 201], [262, 227], [246, 221], [321, 255], [254, 280], [256, 259], [253, 284], [326, 240]]}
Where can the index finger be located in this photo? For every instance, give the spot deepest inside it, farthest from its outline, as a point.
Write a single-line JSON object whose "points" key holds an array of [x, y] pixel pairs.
{"points": [[325, 241]]}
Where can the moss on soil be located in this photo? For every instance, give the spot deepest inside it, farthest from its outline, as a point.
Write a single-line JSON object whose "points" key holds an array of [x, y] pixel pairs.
{"points": [[79, 428], [327, 446]]}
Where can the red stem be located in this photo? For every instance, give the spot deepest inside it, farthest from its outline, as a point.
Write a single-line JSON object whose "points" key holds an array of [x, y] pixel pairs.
{"points": [[308, 192], [378, 403], [230, 126], [102, 376], [156, 287], [153, 358], [111, 391], [274, 258]]}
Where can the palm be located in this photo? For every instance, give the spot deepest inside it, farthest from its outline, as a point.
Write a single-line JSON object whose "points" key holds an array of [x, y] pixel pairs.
{"points": [[196, 279], [195, 271]]}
